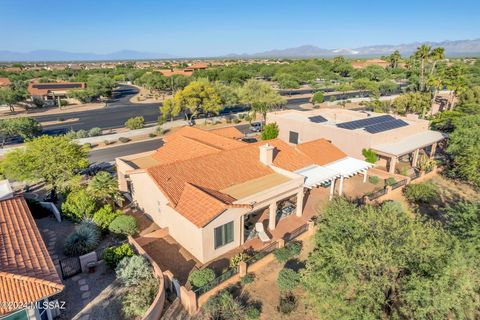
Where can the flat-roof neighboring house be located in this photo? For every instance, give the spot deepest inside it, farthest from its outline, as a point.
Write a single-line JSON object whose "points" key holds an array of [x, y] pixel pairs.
{"points": [[4, 82], [389, 136], [50, 91], [197, 66], [27, 273], [172, 72], [203, 185]]}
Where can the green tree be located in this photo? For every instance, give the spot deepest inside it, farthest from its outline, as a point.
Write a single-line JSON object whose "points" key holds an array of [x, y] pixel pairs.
{"points": [[464, 149], [378, 263], [394, 59], [54, 160], [413, 102], [104, 188], [318, 97], [135, 123], [455, 81], [260, 96], [198, 96], [370, 155], [170, 108], [270, 131], [463, 220], [27, 128], [422, 54], [79, 205], [11, 97]]}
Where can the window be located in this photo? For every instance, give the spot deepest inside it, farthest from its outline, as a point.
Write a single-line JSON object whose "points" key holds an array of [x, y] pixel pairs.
{"points": [[223, 235], [293, 137]]}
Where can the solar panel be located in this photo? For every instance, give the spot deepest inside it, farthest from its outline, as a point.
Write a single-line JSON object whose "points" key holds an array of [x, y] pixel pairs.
{"points": [[357, 124], [385, 126], [57, 86], [317, 119]]}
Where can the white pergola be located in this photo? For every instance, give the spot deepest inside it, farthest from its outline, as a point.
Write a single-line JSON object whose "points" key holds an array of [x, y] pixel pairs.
{"points": [[344, 168]]}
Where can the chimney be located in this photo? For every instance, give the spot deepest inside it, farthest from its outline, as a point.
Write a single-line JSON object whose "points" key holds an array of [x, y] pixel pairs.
{"points": [[266, 154]]}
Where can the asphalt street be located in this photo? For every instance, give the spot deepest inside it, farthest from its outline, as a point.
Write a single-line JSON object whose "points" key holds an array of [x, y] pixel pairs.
{"points": [[109, 154], [119, 109]]}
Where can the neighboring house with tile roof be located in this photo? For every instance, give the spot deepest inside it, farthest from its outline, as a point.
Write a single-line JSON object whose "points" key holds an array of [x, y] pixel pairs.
{"points": [[201, 185], [27, 273], [4, 82], [53, 90]]}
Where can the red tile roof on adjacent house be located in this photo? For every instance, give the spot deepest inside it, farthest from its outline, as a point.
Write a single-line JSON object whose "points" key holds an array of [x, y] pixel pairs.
{"points": [[229, 132], [195, 164], [27, 273], [4, 82], [43, 89]]}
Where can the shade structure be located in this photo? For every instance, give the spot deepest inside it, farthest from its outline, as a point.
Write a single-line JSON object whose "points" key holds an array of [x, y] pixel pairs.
{"points": [[348, 166], [316, 175]]}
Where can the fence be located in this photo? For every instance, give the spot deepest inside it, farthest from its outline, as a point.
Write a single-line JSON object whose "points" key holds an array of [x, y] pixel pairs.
{"points": [[295, 233], [399, 184], [262, 253], [377, 194], [218, 280]]}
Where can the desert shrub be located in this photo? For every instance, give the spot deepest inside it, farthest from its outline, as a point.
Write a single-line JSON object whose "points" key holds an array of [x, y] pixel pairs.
{"points": [[138, 299], [404, 171], [159, 131], [113, 255], [223, 307], [390, 181], [135, 123], [236, 120], [71, 135], [79, 205], [228, 119], [84, 239], [373, 179], [82, 134], [420, 192], [107, 142], [63, 102], [318, 97], [270, 131], [199, 278], [252, 313], [236, 259], [425, 163], [123, 139], [104, 217], [152, 135], [94, 132], [123, 224], [248, 278], [370, 155], [287, 304], [134, 270], [241, 116], [290, 250], [288, 279]]}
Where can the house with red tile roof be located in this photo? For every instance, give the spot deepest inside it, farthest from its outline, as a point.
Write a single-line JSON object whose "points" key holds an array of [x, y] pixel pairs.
{"points": [[4, 82], [51, 91], [27, 273], [206, 187]]}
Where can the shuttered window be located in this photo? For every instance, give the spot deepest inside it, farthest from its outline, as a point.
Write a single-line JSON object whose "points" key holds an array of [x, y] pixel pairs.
{"points": [[223, 235]]}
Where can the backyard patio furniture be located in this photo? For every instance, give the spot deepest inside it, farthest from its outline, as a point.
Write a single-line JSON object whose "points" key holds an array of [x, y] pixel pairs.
{"points": [[261, 232]]}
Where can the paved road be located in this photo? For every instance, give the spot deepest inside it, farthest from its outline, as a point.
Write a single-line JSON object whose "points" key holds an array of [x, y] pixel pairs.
{"points": [[109, 154], [118, 111]]}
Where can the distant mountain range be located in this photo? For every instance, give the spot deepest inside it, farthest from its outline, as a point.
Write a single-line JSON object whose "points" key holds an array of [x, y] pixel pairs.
{"points": [[57, 55], [452, 48]]}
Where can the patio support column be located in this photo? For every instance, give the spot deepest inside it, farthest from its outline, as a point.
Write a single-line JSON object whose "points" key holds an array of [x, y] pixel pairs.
{"points": [[242, 229], [300, 203], [393, 162], [332, 188], [340, 188], [433, 149], [415, 157], [364, 176], [272, 215]]}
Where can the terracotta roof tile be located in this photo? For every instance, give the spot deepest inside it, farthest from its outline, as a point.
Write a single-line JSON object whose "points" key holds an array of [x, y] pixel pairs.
{"points": [[27, 273], [321, 151], [4, 82], [229, 132]]}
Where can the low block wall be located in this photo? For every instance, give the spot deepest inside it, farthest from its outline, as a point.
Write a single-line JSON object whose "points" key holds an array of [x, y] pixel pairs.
{"points": [[155, 310]]}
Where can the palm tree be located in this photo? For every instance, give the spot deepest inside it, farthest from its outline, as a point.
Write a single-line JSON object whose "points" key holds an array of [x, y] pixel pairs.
{"points": [[423, 53], [435, 81], [104, 188], [394, 58], [437, 54]]}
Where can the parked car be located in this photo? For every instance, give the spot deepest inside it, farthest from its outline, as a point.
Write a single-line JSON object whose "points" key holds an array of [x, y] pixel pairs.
{"points": [[255, 127]]}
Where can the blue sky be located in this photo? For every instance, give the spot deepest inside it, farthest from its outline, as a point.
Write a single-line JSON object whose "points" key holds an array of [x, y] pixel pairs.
{"points": [[208, 28]]}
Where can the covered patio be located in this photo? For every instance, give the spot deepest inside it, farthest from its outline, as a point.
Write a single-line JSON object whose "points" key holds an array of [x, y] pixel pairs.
{"points": [[411, 146], [327, 175]]}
